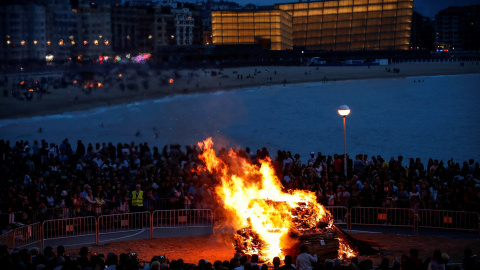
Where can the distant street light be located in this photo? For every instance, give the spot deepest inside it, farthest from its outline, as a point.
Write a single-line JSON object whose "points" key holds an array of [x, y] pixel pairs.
{"points": [[344, 111]]}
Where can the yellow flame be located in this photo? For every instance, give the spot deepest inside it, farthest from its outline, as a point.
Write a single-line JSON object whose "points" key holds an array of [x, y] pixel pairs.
{"points": [[345, 250], [254, 198]]}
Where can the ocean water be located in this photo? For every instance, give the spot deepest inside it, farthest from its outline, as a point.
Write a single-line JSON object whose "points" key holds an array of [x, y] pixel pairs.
{"points": [[437, 118]]}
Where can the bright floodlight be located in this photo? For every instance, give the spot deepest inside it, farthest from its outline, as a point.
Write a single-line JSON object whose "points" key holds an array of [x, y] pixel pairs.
{"points": [[344, 110]]}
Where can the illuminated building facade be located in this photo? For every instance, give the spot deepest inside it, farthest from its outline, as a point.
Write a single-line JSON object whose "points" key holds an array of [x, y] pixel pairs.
{"points": [[184, 24], [322, 25], [61, 29], [271, 28], [94, 29], [22, 32]]}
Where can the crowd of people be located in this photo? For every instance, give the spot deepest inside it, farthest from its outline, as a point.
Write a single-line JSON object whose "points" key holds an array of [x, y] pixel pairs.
{"points": [[51, 259], [101, 178], [49, 180]]}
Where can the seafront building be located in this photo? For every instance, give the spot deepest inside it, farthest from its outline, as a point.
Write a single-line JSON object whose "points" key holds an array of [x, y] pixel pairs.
{"points": [[94, 29], [458, 28], [132, 28], [270, 28], [22, 32], [144, 27], [319, 25], [63, 30], [184, 24]]}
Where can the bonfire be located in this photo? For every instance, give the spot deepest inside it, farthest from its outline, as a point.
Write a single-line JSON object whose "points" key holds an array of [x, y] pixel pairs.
{"points": [[269, 220]]}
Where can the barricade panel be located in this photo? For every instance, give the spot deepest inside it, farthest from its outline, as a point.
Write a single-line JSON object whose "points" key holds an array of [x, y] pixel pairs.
{"points": [[70, 227], [182, 218], [204, 218], [444, 219], [382, 216], [124, 222], [8, 239], [28, 235], [339, 214]]}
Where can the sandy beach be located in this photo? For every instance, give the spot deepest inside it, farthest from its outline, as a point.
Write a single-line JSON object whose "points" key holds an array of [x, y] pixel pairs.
{"points": [[219, 247], [75, 97]]}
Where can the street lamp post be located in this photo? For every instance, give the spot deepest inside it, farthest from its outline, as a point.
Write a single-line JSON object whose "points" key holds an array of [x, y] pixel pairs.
{"points": [[344, 111]]}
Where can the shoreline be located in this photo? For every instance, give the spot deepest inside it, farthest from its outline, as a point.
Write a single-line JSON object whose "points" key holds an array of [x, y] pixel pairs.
{"points": [[73, 98]]}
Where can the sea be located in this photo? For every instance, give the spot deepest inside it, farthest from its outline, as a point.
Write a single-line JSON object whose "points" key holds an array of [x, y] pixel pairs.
{"points": [[434, 117]]}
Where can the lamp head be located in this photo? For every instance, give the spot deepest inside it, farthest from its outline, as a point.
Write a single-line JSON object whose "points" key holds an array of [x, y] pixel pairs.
{"points": [[344, 110]]}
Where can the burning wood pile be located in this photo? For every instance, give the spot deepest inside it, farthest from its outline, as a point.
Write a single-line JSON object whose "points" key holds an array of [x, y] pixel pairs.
{"points": [[323, 238], [269, 221]]}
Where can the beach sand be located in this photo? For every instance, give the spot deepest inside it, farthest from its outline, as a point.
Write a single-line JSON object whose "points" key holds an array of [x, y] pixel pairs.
{"points": [[75, 98], [219, 247]]}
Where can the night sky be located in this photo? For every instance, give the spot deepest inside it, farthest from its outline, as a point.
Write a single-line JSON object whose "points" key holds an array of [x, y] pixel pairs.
{"points": [[425, 7]]}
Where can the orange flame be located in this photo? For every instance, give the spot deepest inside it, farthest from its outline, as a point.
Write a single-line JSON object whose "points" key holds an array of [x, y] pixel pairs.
{"points": [[253, 197], [345, 250]]}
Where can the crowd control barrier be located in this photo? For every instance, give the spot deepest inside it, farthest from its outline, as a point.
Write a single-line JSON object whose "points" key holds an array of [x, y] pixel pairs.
{"points": [[28, 235], [182, 218], [443, 219], [120, 223], [8, 238], [69, 228], [399, 217], [146, 223], [340, 214]]}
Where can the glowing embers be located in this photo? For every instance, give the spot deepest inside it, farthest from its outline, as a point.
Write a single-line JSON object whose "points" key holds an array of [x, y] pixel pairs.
{"points": [[93, 84], [345, 250]]}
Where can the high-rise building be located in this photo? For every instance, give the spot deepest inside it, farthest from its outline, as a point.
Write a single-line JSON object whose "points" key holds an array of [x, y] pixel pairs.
{"points": [[270, 28], [324, 25], [22, 32], [458, 28], [163, 28], [450, 29], [472, 28], [62, 32], [423, 33], [132, 28], [206, 20], [184, 24], [142, 28], [94, 29], [197, 26]]}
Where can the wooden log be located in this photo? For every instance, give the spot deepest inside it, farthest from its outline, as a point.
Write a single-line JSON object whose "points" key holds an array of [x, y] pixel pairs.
{"points": [[326, 250]]}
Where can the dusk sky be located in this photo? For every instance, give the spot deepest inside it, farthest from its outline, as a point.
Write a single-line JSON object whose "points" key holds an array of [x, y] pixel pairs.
{"points": [[425, 7]]}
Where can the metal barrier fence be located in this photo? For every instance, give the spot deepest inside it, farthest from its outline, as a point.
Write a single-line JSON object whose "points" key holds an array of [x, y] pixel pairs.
{"points": [[27, 235], [340, 214], [69, 228], [382, 216], [441, 219], [124, 222], [8, 238], [182, 218], [42, 214], [117, 223]]}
